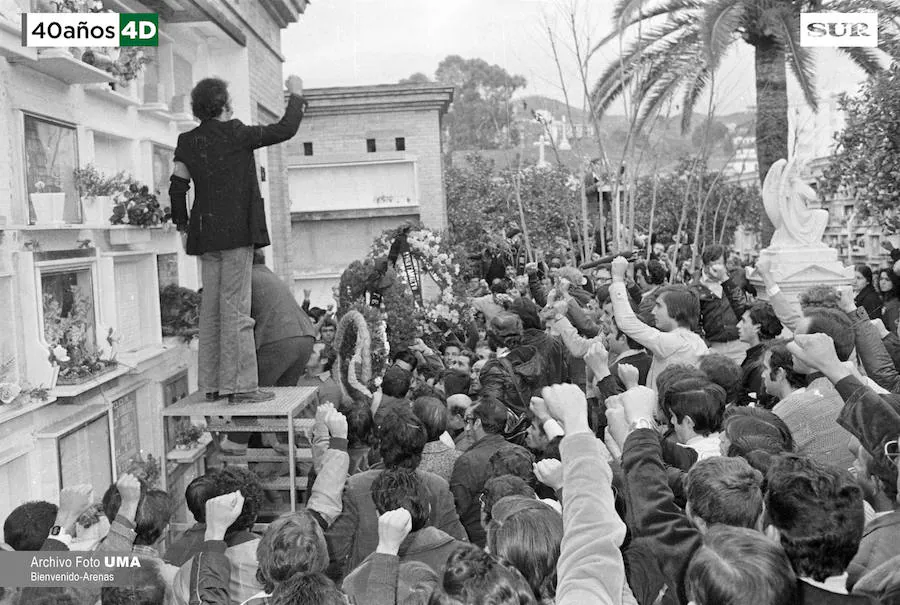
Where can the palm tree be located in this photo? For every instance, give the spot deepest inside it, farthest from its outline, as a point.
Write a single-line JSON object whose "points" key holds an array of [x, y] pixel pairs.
{"points": [[680, 43]]}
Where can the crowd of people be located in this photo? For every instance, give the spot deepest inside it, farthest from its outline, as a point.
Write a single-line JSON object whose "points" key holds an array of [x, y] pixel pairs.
{"points": [[596, 436], [635, 432]]}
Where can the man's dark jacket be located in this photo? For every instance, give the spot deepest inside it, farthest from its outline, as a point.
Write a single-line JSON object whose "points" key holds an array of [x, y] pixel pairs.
{"points": [[228, 210], [719, 316]]}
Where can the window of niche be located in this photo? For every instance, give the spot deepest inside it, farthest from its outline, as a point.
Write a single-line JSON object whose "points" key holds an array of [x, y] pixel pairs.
{"points": [[112, 154], [183, 76], [51, 156], [85, 455], [163, 165], [136, 299], [9, 367], [68, 305], [167, 269], [153, 90]]}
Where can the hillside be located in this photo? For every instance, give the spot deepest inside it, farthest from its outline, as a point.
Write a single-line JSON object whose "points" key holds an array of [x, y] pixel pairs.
{"points": [[660, 150]]}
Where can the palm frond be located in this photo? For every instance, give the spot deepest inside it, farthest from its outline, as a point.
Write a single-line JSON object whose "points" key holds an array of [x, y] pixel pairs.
{"points": [[693, 89], [867, 59], [669, 8], [800, 59], [646, 51], [720, 23]]}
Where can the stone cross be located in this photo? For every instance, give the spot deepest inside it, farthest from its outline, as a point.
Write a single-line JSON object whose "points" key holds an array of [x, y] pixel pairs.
{"points": [[540, 143]]}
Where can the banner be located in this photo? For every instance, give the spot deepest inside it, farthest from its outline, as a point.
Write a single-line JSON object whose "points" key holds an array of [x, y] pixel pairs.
{"points": [[400, 251]]}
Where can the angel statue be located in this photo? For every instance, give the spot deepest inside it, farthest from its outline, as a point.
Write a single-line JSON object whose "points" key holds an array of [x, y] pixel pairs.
{"points": [[785, 198]]}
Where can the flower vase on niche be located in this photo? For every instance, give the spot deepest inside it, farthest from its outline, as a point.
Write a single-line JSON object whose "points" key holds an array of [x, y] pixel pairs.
{"points": [[48, 206], [96, 209]]}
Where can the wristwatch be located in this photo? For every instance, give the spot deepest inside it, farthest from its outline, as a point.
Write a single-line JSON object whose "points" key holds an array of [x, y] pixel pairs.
{"points": [[58, 532], [642, 423]]}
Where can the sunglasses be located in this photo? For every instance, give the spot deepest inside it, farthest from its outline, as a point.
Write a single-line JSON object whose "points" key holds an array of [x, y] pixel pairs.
{"points": [[469, 419], [892, 451]]}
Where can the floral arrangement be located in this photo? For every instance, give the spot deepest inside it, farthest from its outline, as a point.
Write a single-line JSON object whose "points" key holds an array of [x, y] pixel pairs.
{"points": [[188, 436], [90, 182], [138, 207], [147, 470], [68, 340], [180, 311], [126, 66], [42, 187], [15, 393], [354, 355], [77, 6], [434, 257]]}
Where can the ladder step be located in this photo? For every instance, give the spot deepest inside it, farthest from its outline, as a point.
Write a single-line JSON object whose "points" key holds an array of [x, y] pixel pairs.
{"points": [[267, 454], [284, 484], [260, 425]]}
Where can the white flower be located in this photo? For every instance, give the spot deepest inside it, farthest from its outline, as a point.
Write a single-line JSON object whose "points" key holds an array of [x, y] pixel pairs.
{"points": [[442, 257], [40, 185], [456, 269], [9, 391], [60, 354]]}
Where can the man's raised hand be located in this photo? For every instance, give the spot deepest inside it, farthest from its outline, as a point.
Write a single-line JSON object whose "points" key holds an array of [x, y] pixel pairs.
{"points": [[393, 527], [221, 512], [568, 405]]}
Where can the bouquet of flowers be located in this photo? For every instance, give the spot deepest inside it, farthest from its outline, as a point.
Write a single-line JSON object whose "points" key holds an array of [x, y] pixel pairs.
{"points": [[138, 207]]}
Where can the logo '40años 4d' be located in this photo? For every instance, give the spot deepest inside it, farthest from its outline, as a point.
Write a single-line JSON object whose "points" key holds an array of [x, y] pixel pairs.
{"points": [[839, 29]]}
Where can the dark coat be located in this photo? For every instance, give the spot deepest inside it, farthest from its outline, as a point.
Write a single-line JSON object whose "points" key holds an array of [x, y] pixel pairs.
{"points": [[228, 210], [869, 300], [719, 316], [354, 534], [275, 310], [752, 379]]}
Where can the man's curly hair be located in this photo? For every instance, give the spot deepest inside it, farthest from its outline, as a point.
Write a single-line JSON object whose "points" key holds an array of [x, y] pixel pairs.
{"points": [[236, 478], [209, 98]]}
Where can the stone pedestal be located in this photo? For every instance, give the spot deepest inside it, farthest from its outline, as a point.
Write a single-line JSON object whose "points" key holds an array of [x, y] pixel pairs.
{"points": [[796, 268]]}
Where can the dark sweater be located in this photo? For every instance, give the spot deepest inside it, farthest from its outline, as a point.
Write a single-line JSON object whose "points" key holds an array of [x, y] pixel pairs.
{"points": [[719, 316]]}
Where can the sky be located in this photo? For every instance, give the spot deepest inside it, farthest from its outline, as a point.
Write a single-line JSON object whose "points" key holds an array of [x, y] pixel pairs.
{"points": [[359, 42]]}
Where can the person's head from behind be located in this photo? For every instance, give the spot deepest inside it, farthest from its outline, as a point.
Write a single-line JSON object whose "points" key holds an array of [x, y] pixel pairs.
{"points": [[236, 478], [433, 414], [402, 488], [723, 371], [516, 461], [816, 512], [759, 324], [152, 517], [780, 378], [458, 406], [473, 576], [308, 588], [674, 373], [820, 296], [401, 438], [29, 524], [396, 382], [747, 429], [697, 412], [293, 544], [739, 566], [527, 533], [497, 488], [146, 586], [835, 324], [676, 307], [487, 417], [198, 492], [726, 491], [210, 100], [360, 425], [456, 382]]}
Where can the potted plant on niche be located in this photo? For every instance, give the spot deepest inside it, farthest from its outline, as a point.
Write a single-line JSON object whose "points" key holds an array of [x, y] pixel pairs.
{"points": [[137, 207], [48, 202], [188, 437], [179, 312], [70, 349], [97, 191]]}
